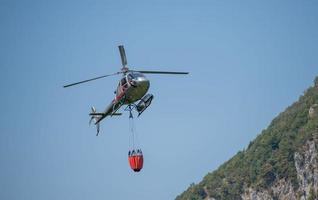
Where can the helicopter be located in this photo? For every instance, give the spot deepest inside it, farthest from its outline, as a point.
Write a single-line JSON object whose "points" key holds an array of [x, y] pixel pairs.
{"points": [[132, 87]]}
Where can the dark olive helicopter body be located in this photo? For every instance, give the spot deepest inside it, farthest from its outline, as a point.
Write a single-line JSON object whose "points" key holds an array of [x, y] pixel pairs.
{"points": [[132, 87]]}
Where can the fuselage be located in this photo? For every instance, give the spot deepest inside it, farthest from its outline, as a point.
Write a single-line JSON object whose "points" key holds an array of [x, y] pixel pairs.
{"points": [[132, 87]]}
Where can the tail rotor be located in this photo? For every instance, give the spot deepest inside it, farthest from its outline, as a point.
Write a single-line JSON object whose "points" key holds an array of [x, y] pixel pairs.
{"points": [[95, 119]]}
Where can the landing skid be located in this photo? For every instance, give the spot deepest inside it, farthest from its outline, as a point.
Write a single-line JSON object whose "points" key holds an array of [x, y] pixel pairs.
{"points": [[141, 106]]}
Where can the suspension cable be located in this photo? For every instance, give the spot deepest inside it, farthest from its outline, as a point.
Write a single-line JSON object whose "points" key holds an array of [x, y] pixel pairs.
{"points": [[131, 128], [133, 138]]}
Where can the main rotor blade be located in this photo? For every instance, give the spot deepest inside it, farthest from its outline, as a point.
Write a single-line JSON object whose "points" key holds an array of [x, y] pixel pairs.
{"points": [[92, 79], [161, 72], [122, 55]]}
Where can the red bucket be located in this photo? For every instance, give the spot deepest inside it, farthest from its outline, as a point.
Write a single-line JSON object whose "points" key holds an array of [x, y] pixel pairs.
{"points": [[136, 160]]}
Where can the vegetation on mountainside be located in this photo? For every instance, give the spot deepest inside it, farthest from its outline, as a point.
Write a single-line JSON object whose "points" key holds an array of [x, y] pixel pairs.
{"points": [[268, 158]]}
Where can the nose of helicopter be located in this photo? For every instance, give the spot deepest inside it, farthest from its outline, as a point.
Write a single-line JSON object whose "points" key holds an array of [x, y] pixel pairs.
{"points": [[143, 82]]}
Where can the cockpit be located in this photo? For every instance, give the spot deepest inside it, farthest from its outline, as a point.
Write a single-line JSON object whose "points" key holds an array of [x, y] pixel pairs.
{"points": [[123, 81], [131, 79]]}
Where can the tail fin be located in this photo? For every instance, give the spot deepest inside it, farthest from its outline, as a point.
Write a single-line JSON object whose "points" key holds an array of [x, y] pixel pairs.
{"points": [[95, 116]]}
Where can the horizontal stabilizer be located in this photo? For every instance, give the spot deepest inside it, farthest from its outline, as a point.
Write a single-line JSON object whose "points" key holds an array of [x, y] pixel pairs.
{"points": [[116, 114], [96, 114]]}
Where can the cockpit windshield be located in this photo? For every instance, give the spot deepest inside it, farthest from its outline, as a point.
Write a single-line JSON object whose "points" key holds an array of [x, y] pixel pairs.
{"points": [[123, 81], [130, 77], [135, 75]]}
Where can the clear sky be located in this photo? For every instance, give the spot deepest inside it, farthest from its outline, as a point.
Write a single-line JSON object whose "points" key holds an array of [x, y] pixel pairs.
{"points": [[248, 61]]}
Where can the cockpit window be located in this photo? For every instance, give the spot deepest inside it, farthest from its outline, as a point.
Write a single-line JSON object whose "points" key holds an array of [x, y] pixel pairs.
{"points": [[123, 81], [130, 77], [136, 75]]}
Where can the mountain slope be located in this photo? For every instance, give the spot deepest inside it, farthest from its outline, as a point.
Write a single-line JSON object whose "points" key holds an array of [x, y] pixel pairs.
{"points": [[281, 163]]}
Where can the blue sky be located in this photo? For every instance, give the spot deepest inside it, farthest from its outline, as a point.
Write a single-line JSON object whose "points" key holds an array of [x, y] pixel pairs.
{"points": [[248, 61]]}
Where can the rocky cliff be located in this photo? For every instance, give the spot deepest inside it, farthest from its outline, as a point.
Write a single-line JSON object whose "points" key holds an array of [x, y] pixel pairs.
{"points": [[307, 174], [280, 164]]}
